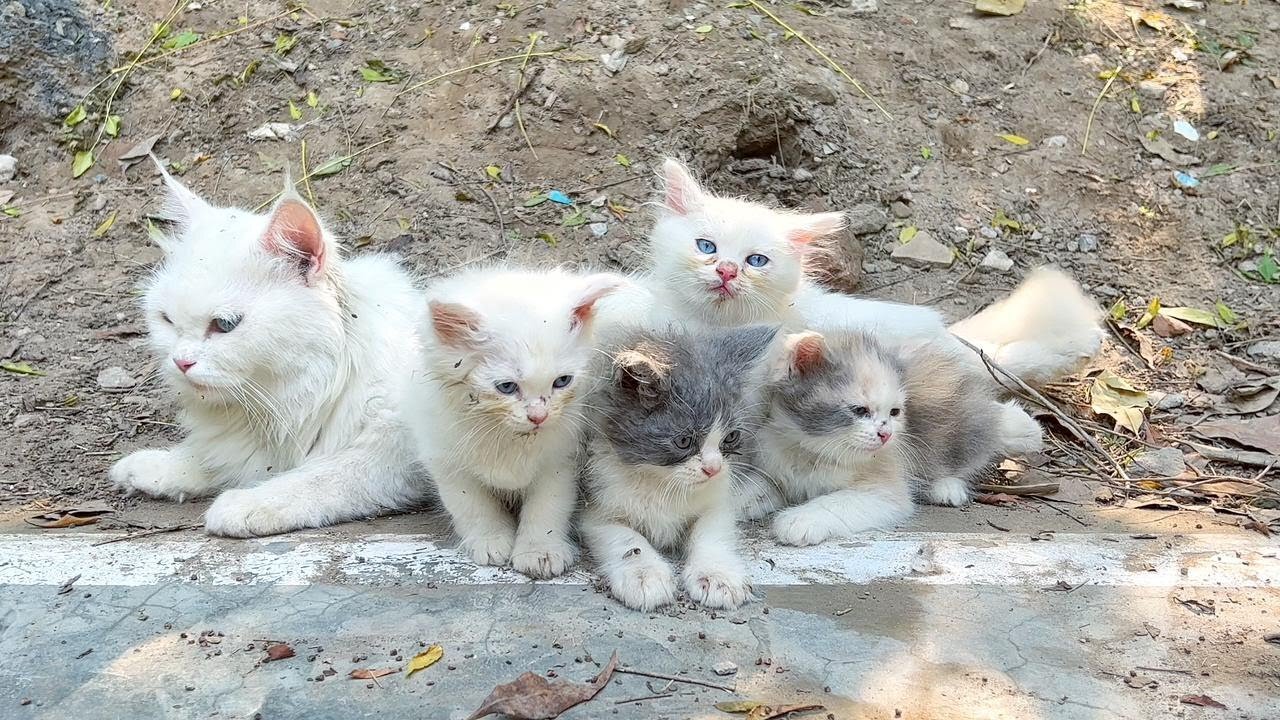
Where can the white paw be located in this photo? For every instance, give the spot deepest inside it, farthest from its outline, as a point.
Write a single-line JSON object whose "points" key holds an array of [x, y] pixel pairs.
{"points": [[543, 558], [252, 513], [644, 585], [491, 548], [800, 526], [157, 473], [717, 588], [951, 491]]}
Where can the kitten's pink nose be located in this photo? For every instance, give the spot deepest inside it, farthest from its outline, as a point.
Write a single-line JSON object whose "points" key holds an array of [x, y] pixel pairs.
{"points": [[711, 469], [537, 415], [184, 365], [727, 271], [884, 434]]}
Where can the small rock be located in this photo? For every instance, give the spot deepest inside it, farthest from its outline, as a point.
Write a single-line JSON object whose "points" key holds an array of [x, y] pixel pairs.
{"points": [[924, 251], [1269, 349], [900, 209], [26, 420], [860, 7], [865, 219], [1087, 243], [599, 229], [116, 378], [959, 86], [802, 175], [1162, 462], [989, 233], [1151, 89], [997, 260], [614, 62], [1169, 401], [273, 131], [724, 669], [8, 168], [1055, 141]]}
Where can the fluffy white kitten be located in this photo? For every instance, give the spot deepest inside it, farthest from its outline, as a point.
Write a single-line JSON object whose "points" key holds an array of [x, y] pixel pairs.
{"points": [[496, 408], [285, 360]]}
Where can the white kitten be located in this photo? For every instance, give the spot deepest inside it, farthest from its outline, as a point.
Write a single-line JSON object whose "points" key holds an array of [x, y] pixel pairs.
{"points": [[285, 359], [497, 408]]}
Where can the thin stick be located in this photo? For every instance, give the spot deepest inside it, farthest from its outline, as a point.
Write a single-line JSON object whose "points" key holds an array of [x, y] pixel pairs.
{"points": [[1047, 39], [642, 699], [208, 40], [834, 65], [146, 533], [673, 678], [497, 211], [512, 101], [520, 84], [309, 175], [469, 68], [1089, 125], [306, 181], [1243, 457]]}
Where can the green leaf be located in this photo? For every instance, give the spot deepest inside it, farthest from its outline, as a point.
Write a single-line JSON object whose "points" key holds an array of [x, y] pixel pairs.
{"points": [[106, 225], [181, 40], [703, 29], [82, 162], [175, 94], [1119, 310], [574, 219], [1267, 268], [738, 707], [21, 368], [377, 71], [907, 234], [313, 100], [112, 126], [12, 211], [1218, 169], [1134, 105], [607, 130], [494, 172], [1191, 315], [535, 200], [926, 152], [285, 43], [548, 238], [1153, 309], [1016, 140], [1004, 221], [294, 112], [332, 167], [1226, 314], [76, 116], [622, 160]]}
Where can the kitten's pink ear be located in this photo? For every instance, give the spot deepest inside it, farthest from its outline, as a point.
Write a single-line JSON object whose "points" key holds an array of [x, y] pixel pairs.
{"points": [[641, 371], [457, 326], [295, 233], [803, 353], [181, 205], [594, 287], [683, 193], [808, 228]]}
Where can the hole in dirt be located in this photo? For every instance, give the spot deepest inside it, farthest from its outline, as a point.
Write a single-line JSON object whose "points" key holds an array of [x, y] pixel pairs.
{"points": [[766, 140]]}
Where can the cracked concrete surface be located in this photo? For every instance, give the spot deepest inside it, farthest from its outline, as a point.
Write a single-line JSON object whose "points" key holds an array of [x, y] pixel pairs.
{"points": [[869, 639]]}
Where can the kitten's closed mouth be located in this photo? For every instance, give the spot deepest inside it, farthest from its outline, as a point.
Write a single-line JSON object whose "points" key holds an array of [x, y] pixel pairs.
{"points": [[723, 290]]}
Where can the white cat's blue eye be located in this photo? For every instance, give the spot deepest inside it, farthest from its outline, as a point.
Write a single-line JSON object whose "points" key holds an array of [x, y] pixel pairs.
{"points": [[562, 381], [225, 324], [757, 260], [506, 388], [705, 246]]}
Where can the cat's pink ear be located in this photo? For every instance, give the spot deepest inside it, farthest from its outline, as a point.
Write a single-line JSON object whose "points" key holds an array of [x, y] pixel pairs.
{"points": [[808, 228], [594, 287], [803, 353], [683, 193], [295, 233], [641, 372], [181, 205], [456, 326]]}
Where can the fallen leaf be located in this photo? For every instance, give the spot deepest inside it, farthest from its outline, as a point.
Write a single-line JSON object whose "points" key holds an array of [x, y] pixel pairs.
{"points": [[622, 160], [769, 712], [424, 660], [141, 150], [1258, 433], [1153, 309], [1249, 398], [83, 161], [1016, 140], [112, 125], [1000, 7], [1004, 221], [1202, 701], [703, 29], [285, 43], [494, 172], [294, 111], [371, 673], [995, 499], [738, 706], [534, 200], [20, 367], [548, 238], [1225, 313], [1158, 145], [533, 697], [574, 219], [11, 211], [926, 152], [331, 167], [312, 99], [906, 234], [1198, 607], [607, 130], [181, 40], [76, 116], [1167, 327], [1191, 315], [69, 585], [1112, 395], [278, 651], [84, 514], [175, 94], [106, 225], [376, 71]]}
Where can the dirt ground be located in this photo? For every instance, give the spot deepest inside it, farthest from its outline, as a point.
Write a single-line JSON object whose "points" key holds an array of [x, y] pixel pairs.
{"points": [[981, 144]]}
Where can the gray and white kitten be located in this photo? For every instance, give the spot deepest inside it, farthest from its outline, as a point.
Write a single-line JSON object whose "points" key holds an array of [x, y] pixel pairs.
{"points": [[854, 426], [671, 425]]}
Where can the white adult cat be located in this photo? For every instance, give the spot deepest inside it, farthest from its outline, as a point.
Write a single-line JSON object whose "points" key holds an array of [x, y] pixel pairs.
{"points": [[496, 408], [285, 360]]}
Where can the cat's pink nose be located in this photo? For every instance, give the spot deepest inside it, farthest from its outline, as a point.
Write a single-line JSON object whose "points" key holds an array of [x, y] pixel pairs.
{"points": [[711, 470], [536, 415], [727, 271], [184, 365], [884, 434]]}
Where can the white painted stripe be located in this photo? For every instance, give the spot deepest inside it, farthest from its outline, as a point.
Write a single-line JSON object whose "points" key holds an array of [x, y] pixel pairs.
{"points": [[1207, 560]]}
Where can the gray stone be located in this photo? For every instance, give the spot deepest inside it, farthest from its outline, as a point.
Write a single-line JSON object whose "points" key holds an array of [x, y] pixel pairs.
{"points": [[1152, 89], [599, 229], [1055, 141], [1269, 349], [865, 219], [802, 175], [116, 378], [8, 167], [959, 86], [1169, 401], [997, 260], [27, 420], [924, 251], [860, 7], [989, 233], [1162, 462], [1087, 243], [900, 210], [724, 669]]}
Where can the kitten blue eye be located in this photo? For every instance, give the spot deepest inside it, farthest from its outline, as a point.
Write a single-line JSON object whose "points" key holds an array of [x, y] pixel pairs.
{"points": [[562, 381], [224, 324], [859, 411], [705, 246], [684, 442], [506, 388], [757, 260]]}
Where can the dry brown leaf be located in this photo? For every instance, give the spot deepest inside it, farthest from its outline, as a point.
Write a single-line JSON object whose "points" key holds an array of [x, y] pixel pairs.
{"points": [[371, 673], [85, 514], [1112, 395], [1257, 433], [139, 151], [1249, 398], [995, 499], [1202, 701], [278, 651], [1167, 327], [533, 697], [769, 712]]}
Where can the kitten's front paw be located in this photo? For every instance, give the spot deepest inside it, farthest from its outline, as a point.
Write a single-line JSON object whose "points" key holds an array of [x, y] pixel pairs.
{"points": [[158, 474], [799, 526], [720, 588], [490, 549], [644, 585], [543, 558], [251, 513], [951, 491]]}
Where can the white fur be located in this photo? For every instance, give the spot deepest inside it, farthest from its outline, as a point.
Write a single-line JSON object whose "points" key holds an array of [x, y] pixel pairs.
{"points": [[480, 446], [296, 408], [635, 512]]}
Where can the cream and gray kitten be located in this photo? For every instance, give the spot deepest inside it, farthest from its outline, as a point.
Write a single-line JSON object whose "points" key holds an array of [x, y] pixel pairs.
{"points": [[854, 427], [672, 423]]}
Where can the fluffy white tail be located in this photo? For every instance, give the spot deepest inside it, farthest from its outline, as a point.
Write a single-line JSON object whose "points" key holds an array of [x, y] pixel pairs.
{"points": [[1045, 329]]}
